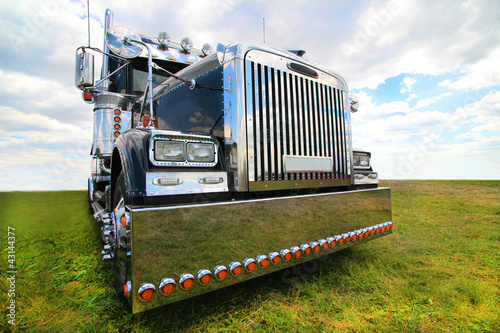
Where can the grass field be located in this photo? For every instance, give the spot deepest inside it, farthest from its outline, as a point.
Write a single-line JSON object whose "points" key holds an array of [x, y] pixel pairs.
{"points": [[438, 272]]}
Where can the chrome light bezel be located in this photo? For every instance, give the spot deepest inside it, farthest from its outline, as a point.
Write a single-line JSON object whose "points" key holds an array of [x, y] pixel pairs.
{"points": [[356, 160], [186, 141]]}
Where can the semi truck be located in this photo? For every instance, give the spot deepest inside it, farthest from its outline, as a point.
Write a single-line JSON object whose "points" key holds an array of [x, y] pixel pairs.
{"points": [[215, 166]]}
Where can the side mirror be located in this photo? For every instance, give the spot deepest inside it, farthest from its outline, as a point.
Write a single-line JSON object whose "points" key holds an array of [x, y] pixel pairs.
{"points": [[84, 70]]}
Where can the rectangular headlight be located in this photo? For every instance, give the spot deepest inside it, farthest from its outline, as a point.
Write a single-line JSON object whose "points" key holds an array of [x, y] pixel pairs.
{"points": [[173, 151], [361, 159], [201, 152]]}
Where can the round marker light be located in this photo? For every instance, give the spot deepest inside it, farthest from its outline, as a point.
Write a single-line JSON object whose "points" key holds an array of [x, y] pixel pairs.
{"points": [[366, 232], [323, 243], [235, 268], [220, 272], [340, 240], [117, 119], [262, 261], [377, 229], [371, 230], [347, 238], [314, 246], [296, 251], [331, 241], [249, 264], [306, 249], [391, 225], [118, 112], [382, 228], [186, 281], [116, 134], [286, 254], [204, 276], [360, 234], [353, 235], [146, 292], [167, 286], [275, 257]]}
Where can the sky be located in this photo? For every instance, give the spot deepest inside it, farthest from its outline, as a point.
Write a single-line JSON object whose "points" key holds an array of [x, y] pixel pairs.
{"points": [[426, 72]]}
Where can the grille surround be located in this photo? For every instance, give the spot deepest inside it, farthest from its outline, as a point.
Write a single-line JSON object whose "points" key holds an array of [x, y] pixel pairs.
{"points": [[289, 114]]}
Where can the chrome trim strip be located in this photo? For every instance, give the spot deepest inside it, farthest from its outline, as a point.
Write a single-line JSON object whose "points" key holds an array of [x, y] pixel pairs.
{"points": [[189, 183]]}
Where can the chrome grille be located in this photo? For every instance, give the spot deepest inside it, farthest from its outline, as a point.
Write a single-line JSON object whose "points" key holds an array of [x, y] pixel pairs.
{"points": [[289, 114]]}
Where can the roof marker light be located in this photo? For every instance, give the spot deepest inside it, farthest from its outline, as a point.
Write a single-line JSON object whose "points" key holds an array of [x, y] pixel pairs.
{"points": [[323, 243], [332, 241]]}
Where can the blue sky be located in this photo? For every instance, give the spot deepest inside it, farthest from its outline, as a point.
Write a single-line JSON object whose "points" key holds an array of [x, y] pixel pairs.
{"points": [[427, 74]]}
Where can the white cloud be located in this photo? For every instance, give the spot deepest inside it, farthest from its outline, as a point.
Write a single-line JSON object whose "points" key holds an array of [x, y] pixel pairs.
{"points": [[408, 83], [428, 101]]}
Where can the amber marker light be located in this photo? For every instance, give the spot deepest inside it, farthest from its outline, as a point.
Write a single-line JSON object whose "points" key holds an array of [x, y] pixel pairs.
{"points": [[296, 251], [117, 127], [235, 268], [87, 96], [360, 234], [340, 240], [377, 229], [262, 261], [204, 276], [117, 119], [286, 254], [332, 241], [314, 246], [371, 230], [186, 281], [127, 288], [306, 249], [249, 264], [220, 272], [275, 257], [382, 228], [146, 292], [391, 225], [347, 238], [118, 112], [366, 232], [323, 244], [353, 236], [116, 134], [167, 286]]}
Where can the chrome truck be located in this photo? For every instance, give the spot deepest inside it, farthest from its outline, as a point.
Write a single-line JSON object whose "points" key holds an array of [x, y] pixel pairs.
{"points": [[212, 167]]}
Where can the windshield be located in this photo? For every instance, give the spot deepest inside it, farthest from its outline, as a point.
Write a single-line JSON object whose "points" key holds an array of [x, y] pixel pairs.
{"points": [[180, 108]]}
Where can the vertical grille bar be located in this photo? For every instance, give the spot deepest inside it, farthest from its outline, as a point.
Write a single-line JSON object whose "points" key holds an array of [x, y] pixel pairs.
{"points": [[257, 121]]}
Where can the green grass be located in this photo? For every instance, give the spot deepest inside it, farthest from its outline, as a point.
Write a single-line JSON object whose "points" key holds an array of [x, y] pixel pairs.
{"points": [[438, 272]]}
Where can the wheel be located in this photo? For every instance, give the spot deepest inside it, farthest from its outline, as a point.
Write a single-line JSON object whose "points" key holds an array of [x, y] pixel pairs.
{"points": [[121, 240]]}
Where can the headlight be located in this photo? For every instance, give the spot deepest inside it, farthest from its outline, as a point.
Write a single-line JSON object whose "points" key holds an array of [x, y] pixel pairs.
{"points": [[201, 152], [170, 151]]}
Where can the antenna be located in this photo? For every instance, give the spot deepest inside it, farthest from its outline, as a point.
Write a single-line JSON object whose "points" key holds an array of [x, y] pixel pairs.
{"points": [[264, 29], [88, 18]]}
